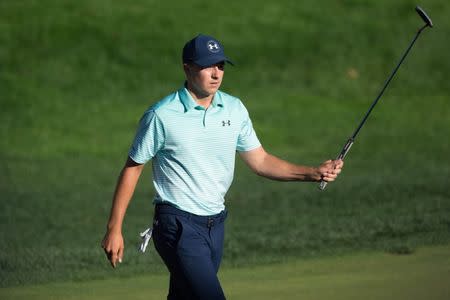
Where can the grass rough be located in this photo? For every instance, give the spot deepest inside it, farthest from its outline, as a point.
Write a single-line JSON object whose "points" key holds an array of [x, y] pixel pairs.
{"points": [[76, 76]]}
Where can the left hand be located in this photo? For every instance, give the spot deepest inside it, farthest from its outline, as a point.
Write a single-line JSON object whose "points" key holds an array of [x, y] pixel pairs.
{"points": [[330, 169], [113, 246]]}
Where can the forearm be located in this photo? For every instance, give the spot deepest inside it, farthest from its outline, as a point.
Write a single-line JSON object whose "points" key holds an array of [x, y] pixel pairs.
{"points": [[125, 187], [277, 169]]}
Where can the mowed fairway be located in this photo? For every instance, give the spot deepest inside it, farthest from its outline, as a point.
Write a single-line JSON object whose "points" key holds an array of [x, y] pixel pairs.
{"points": [[422, 275]]}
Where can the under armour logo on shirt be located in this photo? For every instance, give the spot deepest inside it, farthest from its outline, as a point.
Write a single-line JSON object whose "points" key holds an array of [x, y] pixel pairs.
{"points": [[213, 46], [226, 123]]}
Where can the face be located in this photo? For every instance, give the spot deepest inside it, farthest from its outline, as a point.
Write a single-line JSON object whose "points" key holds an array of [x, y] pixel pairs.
{"points": [[204, 82]]}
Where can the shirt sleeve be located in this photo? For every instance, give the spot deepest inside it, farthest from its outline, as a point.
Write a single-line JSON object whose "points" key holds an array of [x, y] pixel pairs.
{"points": [[149, 138], [247, 139]]}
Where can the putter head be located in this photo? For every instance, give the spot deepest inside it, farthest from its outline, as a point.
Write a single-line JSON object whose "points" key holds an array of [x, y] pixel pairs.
{"points": [[424, 16]]}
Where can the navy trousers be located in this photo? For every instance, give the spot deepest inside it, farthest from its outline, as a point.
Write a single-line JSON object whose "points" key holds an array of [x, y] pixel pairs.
{"points": [[191, 246]]}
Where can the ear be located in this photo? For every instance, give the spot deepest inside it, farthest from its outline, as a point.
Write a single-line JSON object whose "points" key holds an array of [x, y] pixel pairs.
{"points": [[187, 69]]}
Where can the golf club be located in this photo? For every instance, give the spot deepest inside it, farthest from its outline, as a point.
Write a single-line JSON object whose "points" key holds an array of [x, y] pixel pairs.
{"points": [[351, 140]]}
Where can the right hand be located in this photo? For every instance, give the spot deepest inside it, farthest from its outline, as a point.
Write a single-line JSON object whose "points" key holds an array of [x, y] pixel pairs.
{"points": [[113, 246], [330, 169]]}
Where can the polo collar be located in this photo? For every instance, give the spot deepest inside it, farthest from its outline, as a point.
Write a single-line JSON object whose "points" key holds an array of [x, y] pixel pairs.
{"points": [[189, 102], [217, 100]]}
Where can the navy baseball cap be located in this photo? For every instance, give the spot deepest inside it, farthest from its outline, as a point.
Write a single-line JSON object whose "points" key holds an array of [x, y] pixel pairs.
{"points": [[204, 51]]}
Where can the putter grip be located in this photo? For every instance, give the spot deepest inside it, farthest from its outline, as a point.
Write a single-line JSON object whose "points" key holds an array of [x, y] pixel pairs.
{"points": [[347, 146]]}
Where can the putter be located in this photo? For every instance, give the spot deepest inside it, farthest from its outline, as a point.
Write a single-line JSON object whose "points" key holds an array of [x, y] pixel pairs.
{"points": [[351, 140]]}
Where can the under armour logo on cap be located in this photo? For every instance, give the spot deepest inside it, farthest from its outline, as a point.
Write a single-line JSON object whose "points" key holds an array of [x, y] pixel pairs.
{"points": [[213, 46]]}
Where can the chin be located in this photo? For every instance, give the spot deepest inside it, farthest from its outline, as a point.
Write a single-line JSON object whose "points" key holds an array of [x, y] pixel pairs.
{"points": [[215, 88], [211, 91]]}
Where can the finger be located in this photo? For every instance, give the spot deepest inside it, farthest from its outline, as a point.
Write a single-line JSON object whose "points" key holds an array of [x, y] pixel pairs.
{"points": [[107, 253], [113, 260], [327, 163], [109, 257], [328, 179], [335, 164], [330, 176], [331, 170], [120, 255], [337, 171]]}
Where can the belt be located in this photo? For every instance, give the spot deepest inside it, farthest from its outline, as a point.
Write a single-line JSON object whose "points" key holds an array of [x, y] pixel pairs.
{"points": [[207, 221]]}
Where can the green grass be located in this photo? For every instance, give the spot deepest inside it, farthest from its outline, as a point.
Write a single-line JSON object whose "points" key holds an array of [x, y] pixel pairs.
{"points": [[422, 275], [75, 76]]}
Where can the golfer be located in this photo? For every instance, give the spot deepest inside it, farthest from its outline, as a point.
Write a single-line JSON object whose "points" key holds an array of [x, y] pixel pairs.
{"points": [[192, 136]]}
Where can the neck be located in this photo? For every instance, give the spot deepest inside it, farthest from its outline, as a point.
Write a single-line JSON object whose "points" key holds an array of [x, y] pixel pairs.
{"points": [[199, 97]]}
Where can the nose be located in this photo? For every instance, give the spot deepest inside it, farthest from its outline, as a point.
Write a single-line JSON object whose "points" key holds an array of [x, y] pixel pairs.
{"points": [[215, 71]]}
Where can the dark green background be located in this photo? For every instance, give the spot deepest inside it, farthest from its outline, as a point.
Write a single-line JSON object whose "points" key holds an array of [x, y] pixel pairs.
{"points": [[75, 77]]}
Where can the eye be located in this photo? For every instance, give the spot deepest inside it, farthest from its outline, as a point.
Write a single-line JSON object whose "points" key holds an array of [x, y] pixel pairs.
{"points": [[221, 67]]}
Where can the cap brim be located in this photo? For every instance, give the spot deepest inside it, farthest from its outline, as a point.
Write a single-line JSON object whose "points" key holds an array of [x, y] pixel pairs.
{"points": [[212, 60]]}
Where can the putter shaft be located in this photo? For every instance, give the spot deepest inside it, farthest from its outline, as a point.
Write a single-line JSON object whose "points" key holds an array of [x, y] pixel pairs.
{"points": [[351, 140]]}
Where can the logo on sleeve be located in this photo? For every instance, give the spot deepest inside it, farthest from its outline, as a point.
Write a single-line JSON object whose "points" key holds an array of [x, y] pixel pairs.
{"points": [[224, 123]]}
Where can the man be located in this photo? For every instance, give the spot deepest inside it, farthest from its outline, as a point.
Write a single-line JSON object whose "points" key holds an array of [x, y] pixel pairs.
{"points": [[192, 136]]}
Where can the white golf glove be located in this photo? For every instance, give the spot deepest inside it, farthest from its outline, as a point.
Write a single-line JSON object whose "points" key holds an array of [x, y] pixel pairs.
{"points": [[145, 236]]}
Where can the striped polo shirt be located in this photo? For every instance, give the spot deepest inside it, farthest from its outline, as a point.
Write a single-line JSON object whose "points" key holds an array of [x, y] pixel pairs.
{"points": [[193, 149]]}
